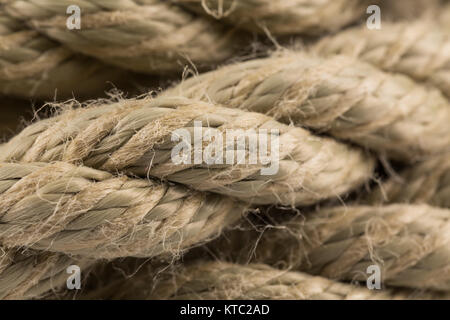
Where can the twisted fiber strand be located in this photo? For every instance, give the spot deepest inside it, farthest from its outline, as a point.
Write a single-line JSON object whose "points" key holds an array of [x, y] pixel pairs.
{"points": [[27, 275], [33, 66], [410, 244], [134, 136], [349, 100], [444, 17], [408, 10], [309, 17], [220, 280], [420, 49], [426, 182], [77, 210], [147, 36]]}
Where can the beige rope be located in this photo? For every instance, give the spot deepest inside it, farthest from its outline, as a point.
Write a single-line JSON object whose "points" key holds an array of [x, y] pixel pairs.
{"points": [[220, 280], [148, 36], [420, 49], [33, 66], [29, 274], [409, 243], [282, 17], [347, 99], [426, 182], [134, 136], [77, 210]]}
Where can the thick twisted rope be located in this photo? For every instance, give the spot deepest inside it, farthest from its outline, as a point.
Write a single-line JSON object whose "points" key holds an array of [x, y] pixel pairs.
{"points": [[77, 210], [31, 65], [408, 10], [282, 17], [32, 274], [134, 136], [148, 36], [409, 243], [420, 49], [220, 280], [347, 99], [426, 182], [444, 16]]}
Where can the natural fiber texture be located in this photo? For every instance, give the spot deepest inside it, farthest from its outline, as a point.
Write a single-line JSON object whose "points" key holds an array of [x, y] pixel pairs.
{"points": [[219, 280], [410, 244], [309, 17], [350, 100], [419, 49], [444, 16], [427, 182], [30, 274], [33, 66], [77, 210], [409, 10], [134, 136], [148, 36]]}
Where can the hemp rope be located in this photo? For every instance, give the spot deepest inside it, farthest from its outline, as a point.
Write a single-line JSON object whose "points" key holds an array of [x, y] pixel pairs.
{"points": [[420, 49], [444, 17], [410, 244], [133, 136], [349, 100], [28, 274], [426, 182], [81, 211], [309, 17], [33, 66], [148, 36], [407, 10], [220, 280]]}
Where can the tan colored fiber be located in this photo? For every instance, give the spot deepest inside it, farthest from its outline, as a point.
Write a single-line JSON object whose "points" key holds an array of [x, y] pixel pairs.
{"points": [[410, 244], [30, 274], [419, 49], [444, 16], [33, 66], [134, 136], [408, 10], [310, 17], [148, 36], [347, 99], [220, 280], [426, 182], [77, 210]]}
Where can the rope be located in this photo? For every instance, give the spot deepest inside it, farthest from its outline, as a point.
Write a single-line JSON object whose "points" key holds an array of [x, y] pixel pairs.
{"points": [[149, 36], [409, 243], [80, 211], [426, 182], [282, 17], [134, 136], [349, 100], [420, 50], [33, 66], [220, 280]]}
